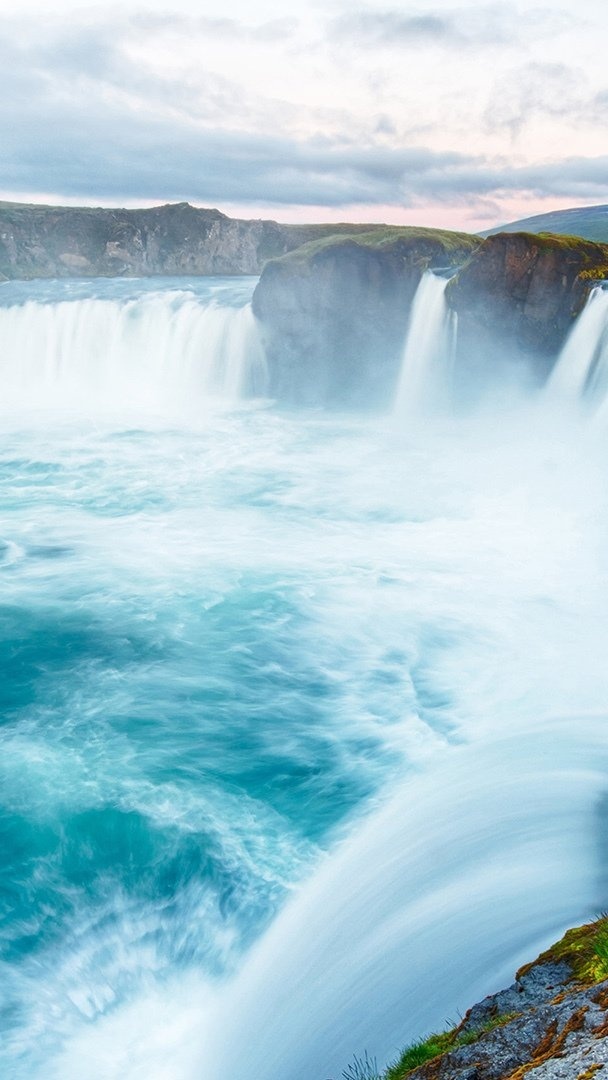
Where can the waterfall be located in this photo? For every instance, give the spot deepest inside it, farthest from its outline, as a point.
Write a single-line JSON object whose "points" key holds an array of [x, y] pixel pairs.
{"points": [[413, 917], [152, 349], [304, 744], [428, 346], [581, 370]]}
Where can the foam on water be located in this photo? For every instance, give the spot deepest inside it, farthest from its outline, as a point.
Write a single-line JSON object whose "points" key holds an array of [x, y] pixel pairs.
{"points": [[428, 351], [149, 348], [302, 745], [581, 372]]}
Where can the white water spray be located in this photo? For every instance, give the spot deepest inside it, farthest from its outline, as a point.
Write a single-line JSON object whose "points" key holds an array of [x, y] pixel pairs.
{"points": [[158, 349], [582, 366], [428, 348], [411, 921], [458, 594]]}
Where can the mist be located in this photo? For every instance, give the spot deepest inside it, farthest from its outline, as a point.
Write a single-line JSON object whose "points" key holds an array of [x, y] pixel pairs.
{"points": [[309, 702]]}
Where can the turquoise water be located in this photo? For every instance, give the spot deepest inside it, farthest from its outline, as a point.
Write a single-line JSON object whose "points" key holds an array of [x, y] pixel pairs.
{"points": [[228, 634]]}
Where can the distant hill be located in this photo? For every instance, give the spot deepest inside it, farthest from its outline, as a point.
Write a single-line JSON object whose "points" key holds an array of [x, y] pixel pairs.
{"points": [[590, 222]]}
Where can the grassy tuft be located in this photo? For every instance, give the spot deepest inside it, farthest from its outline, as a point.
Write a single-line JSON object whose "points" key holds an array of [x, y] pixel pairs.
{"points": [[364, 1068], [454, 245], [418, 1053], [584, 949]]}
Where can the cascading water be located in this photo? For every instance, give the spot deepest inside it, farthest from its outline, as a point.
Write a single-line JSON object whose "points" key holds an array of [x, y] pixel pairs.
{"points": [[581, 371], [130, 343], [428, 350], [303, 718]]}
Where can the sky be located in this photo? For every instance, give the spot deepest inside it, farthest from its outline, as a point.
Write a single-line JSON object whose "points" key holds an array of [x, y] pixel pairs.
{"points": [[452, 114]]}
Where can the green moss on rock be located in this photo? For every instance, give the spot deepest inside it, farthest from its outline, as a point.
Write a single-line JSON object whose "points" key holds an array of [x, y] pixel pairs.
{"points": [[394, 238], [584, 949]]}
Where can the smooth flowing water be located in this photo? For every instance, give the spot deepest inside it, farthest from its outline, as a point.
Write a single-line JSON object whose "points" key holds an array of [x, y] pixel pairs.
{"points": [[302, 744], [581, 372], [428, 351]]}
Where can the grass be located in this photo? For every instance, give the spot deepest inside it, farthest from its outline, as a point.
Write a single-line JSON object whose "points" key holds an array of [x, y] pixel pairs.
{"points": [[423, 1050], [364, 1068], [386, 238], [593, 256], [584, 949], [418, 1053]]}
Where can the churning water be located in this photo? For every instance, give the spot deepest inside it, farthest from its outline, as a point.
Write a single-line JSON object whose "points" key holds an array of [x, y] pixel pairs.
{"points": [[303, 713]]}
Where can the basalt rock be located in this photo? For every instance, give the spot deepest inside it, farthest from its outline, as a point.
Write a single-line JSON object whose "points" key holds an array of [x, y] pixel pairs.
{"points": [[176, 239], [334, 313], [517, 296], [551, 1024]]}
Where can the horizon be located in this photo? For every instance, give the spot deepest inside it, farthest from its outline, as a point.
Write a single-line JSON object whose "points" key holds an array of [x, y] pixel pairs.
{"points": [[141, 205], [449, 115]]}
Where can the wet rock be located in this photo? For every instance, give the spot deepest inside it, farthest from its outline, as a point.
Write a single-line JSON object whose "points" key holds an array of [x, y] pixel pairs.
{"points": [[517, 296], [552, 1023], [176, 239], [334, 314]]}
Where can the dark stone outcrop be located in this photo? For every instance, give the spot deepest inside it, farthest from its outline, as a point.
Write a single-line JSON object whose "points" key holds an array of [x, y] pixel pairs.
{"points": [[334, 313], [556, 1032], [551, 1024], [177, 239], [517, 296]]}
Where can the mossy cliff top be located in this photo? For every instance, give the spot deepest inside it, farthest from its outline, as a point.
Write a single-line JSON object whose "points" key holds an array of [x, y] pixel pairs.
{"points": [[430, 247], [176, 238], [334, 312], [508, 261], [552, 1023], [521, 292]]}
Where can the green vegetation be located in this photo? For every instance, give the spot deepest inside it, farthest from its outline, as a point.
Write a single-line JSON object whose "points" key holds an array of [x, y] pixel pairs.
{"points": [[595, 273], [387, 237], [418, 1053], [364, 1068], [591, 255], [423, 1050], [584, 949]]}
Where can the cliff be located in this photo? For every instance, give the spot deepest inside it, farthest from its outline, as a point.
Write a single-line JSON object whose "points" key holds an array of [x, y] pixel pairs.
{"points": [[333, 301], [552, 1023], [176, 239], [334, 313], [518, 294]]}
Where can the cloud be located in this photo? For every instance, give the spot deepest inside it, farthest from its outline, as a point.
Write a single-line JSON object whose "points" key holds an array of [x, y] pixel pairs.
{"points": [[532, 90], [79, 117], [477, 26], [117, 157], [273, 30]]}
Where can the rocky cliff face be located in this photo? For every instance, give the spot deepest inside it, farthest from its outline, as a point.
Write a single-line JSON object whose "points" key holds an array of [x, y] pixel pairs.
{"points": [[517, 296], [552, 1023], [47, 241], [334, 313], [333, 301]]}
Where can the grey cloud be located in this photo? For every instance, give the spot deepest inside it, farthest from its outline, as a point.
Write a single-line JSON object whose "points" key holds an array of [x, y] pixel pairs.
{"points": [[115, 156], [155, 139], [476, 25]]}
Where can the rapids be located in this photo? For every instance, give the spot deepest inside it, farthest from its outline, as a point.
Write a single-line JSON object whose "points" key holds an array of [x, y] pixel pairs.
{"points": [[302, 743]]}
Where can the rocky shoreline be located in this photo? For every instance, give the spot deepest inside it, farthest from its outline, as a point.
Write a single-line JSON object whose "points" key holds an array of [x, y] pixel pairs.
{"points": [[551, 1024]]}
